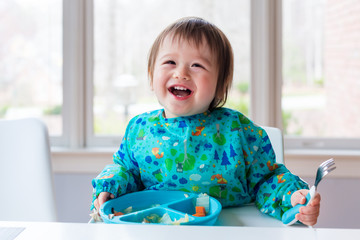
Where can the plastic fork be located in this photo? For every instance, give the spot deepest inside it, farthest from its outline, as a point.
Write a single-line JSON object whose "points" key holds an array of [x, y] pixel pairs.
{"points": [[326, 167]]}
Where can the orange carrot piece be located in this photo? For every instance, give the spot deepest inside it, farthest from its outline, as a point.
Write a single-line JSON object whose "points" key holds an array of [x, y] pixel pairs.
{"points": [[200, 211], [118, 214]]}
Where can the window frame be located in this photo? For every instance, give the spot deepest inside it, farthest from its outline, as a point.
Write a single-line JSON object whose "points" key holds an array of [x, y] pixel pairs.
{"points": [[266, 78], [74, 59], [266, 70]]}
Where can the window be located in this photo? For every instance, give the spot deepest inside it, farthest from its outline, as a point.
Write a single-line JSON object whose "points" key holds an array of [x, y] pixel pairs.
{"points": [[31, 61], [81, 66], [321, 71]]}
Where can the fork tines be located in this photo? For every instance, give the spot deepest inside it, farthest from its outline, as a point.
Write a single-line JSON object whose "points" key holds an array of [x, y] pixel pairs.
{"points": [[327, 166]]}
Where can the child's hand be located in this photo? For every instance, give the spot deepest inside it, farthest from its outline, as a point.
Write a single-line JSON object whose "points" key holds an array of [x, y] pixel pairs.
{"points": [[102, 198], [308, 214]]}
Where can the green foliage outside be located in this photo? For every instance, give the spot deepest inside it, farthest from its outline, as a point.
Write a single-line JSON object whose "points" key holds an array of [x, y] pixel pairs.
{"points": [[319, 82], [56, 110], [239, 100], [287, 117], [3, 111], [243, 87]]}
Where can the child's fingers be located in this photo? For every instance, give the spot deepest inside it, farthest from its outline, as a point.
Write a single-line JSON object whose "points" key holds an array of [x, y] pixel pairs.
{"points": [[308, 215], [96, 204], [316, 200], [309, 220], [310, 210], [299, 197], [103, 197]]}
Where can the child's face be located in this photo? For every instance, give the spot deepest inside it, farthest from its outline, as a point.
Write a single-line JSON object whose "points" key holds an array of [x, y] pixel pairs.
{"points": [[185, 77]]}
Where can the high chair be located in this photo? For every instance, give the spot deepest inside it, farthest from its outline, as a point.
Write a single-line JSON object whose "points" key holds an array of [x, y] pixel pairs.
{"points": [[277, 142], [26, 183]]}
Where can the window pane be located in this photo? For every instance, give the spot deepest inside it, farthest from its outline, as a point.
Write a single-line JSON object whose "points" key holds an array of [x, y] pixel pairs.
{"points": [[123, 34], [321, 68], [31, 61]]}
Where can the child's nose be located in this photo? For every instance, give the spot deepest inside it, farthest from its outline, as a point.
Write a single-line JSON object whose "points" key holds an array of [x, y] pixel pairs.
{"points": [[181, 74]]}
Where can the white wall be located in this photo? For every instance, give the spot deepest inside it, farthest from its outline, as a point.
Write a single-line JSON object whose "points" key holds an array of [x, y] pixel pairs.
{"points": [[73, 197], [340, 206]]}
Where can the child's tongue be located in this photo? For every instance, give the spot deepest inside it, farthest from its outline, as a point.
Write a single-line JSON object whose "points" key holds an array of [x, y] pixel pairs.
{"points": [[181, 93]]}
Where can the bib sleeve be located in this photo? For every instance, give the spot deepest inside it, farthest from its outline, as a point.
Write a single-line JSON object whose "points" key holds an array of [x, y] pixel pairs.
{"points": [[271, 184], [122, 176]]}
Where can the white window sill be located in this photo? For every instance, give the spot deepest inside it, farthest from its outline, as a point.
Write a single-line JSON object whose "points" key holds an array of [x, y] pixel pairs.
{"points": [[303, 163], [81, 160]]}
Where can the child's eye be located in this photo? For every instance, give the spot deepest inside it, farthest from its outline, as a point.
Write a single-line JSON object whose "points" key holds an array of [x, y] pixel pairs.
{"points": [[197, 65], [170, 62]]}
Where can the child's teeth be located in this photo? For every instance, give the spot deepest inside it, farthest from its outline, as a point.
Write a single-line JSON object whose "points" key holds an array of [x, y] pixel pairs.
{"points": [[180, 88]]}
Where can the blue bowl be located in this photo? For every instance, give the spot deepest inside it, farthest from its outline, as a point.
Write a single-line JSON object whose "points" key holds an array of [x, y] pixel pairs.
{"points": [[146, 204]]}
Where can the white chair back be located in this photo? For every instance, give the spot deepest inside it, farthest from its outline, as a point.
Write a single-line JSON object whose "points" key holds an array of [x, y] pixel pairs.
{"points": [[277, 142], [26, 182]]}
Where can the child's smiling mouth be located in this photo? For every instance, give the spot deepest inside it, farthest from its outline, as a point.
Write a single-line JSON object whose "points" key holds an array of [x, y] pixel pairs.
{"points": [[180, 91]]}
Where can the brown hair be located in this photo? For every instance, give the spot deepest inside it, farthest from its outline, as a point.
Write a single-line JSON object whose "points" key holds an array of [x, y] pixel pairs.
{"points": [[197, 30]]}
